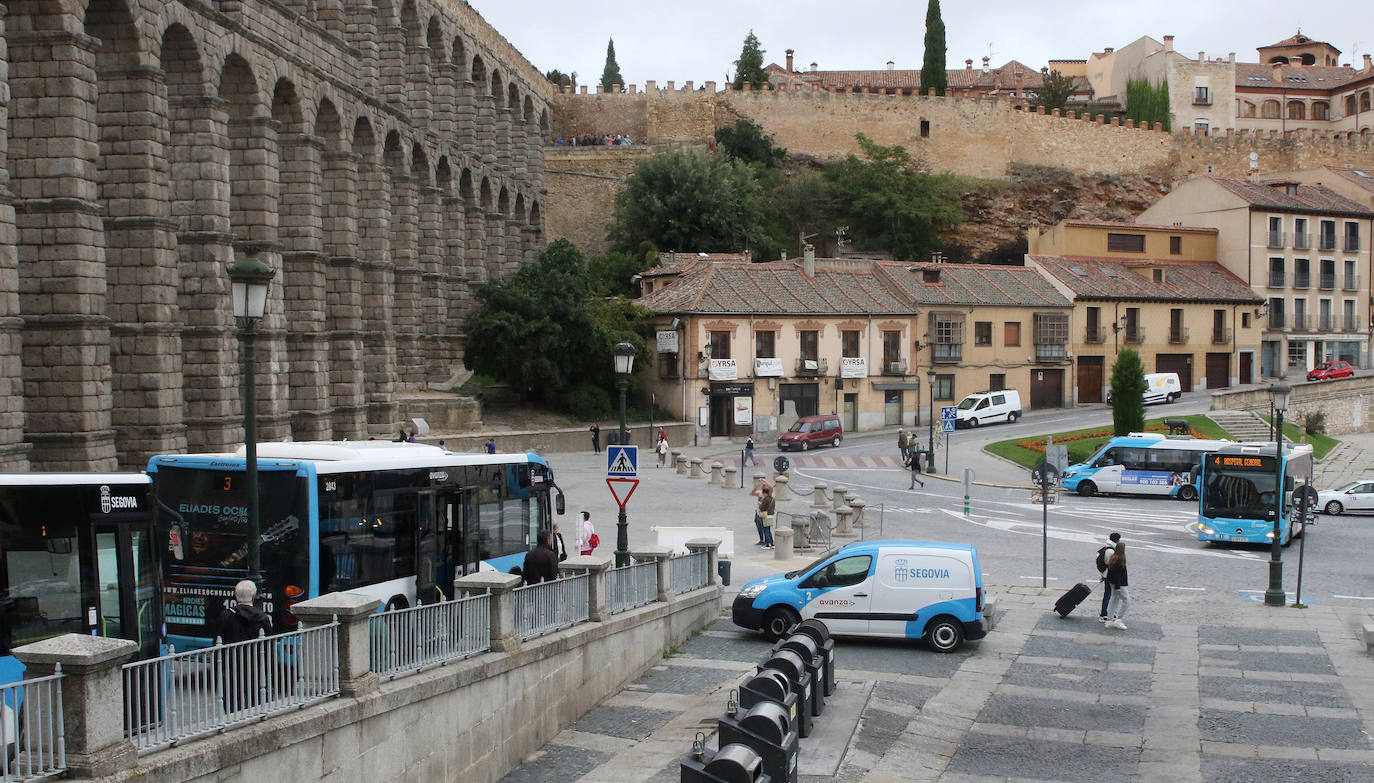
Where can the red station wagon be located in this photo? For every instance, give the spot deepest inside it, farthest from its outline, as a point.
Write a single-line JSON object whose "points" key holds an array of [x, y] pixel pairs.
{"points": [[1331, 370], [811, 431]]}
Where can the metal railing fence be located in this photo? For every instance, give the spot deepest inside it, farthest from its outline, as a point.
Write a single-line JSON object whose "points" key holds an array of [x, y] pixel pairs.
{"points": [[688, 572], [632, 585], [183, 695], [33, 735], [409, 640], [548, 606]]}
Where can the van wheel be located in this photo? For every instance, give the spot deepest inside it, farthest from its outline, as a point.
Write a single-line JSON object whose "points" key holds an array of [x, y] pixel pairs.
{"points": [[1087, 489], [805, 445], [944, 634], [1011, 418], [835, 444], [1187, 494], [1171, 398], [973, 421], [778, 620]]}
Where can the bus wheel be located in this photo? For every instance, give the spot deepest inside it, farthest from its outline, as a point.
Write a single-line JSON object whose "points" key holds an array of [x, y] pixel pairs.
{"points": [[1087, 489], [779, 620], [1187, 493], [944, 634], [1334, 507]]}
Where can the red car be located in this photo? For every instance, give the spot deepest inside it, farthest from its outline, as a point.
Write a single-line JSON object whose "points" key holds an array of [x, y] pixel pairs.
{"points": [[1331, 370]]}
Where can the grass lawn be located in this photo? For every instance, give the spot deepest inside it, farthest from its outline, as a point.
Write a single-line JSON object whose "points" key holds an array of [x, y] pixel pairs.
{"points": [[1321, 444], [1028, 452]]}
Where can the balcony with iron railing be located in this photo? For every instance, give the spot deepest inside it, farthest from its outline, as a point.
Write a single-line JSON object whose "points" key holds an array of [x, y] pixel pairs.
{"points": [[1352, 244], [1326, 323], [1327, 242], [1300, 323], [1134, 334], [1302, 241], [1276, 239], [1221, 336], [1276, 321], [1178, 334], [1327, 281], [812, 367], [1351, 283], [1351, 323], [893, 366], [1302, 279], [1051, 353], [1276, 279], [947, 353], [1095, 334]]}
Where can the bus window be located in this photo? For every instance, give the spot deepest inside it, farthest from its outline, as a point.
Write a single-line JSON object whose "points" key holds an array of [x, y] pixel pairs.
{"points": [[40, 582], [1108, 458]]}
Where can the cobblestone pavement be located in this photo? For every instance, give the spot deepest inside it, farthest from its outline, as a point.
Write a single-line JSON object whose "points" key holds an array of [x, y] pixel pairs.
{"points": [[1251, 695]]}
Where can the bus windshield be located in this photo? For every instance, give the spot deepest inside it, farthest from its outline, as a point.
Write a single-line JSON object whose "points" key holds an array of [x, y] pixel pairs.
{"points": [[1238, 494]]}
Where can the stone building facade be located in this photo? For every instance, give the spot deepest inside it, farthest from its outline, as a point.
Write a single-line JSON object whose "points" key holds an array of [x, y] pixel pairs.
{"points": [[381, 156]]}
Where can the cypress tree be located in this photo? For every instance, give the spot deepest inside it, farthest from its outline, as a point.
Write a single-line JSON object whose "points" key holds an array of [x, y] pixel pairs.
{"points": [[611, 73], [933, 66], [1128, 393], [749, 67]]}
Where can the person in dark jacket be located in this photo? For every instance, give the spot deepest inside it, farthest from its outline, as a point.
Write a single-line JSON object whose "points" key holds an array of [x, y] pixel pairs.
{"points": [[1102, 555], [1116, 577], [242, 682], [244, 620], [541, 563]]}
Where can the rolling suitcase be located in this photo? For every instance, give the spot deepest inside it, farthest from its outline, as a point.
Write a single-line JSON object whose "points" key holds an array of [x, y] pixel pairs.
{"points": [[1070, 600]]}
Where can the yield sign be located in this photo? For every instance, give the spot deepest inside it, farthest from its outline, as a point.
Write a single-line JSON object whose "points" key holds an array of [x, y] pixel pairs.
{"points": [[617, 486]]}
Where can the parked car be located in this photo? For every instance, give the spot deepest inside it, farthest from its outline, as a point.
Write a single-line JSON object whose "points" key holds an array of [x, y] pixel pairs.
{"points": [[1330, 371], [1159, 387], [1355, 496], [989, 406], [812, 431]]}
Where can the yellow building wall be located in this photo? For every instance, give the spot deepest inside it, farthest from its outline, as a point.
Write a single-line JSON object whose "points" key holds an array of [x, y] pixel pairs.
{"points": [[1067, 239]]}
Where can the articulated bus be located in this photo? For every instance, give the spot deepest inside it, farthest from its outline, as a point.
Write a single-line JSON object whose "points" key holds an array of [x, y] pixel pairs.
{"points": [[1238, 485], [393, 521], [1143, 463], [77, 555]]}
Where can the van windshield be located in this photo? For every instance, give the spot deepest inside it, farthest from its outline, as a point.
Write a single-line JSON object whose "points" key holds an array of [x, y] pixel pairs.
{"points": [[812, 565], [968, 402], [800, 426]]}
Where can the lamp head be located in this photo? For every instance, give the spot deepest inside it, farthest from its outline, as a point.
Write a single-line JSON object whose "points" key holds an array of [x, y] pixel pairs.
{"points": [[930, 375], [624, 358], [1279, 393], [250, 277]]}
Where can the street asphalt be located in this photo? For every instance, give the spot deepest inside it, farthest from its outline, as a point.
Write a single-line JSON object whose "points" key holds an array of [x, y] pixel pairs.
{"points": [[1193, 690]]}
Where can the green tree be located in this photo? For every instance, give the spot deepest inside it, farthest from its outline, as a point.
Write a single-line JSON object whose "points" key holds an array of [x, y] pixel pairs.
{"points": [[933, 66], [1128, 393], [610, 75], [749, 66], [1054, 92], [559, 78], [536, 329], [891, 206], [1148, 103], [747, 143], [688, 201]]}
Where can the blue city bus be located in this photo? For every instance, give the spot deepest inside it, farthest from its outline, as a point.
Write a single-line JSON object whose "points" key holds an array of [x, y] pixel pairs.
{"points": [[1238, 503], [1143, 463], [77, 555], [393, 521]]}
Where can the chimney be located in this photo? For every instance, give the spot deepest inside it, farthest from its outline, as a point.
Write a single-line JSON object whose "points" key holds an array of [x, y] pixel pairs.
{"points": [[1278, 73], [1108, 49], [985, 64], [1168, 43], [1202, 57], [809, 260], [813, 67], [790, 52], [1231, 57], [1367, 64], [968, 65], [891, 65]]}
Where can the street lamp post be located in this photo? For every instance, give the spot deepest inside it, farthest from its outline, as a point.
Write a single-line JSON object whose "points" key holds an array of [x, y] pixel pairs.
{"points": [[624, 365], [1275, 596], [930, 465], [250, 277]]}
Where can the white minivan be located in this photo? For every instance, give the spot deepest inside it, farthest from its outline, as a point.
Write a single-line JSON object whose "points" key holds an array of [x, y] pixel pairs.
{"points": [[1159, 387], [987, 407], [899, 589]]}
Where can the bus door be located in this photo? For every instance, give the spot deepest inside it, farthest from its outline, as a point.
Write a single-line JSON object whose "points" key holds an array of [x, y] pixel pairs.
{"points": [[127, 582], [1107, 477], [465, 544], [438, 512]]}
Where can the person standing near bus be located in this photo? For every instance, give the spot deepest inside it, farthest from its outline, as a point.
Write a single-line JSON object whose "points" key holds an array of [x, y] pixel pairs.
{"points": [[1101, 563], [244, 620], [1116, 577], [541, 563], [241, 684], [585, 535]]}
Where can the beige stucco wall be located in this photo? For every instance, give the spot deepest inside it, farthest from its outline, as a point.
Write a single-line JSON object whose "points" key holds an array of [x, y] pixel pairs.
{"points": [[1066, 239], [1220, 80]]}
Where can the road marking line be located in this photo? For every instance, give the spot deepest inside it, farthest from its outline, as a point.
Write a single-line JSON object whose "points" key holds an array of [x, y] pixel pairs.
{"points": [[1052, 579], [1175, 587], [1355, 597]]}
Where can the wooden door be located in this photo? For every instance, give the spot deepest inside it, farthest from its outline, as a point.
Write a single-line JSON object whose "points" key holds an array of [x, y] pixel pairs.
{"points": [[1218, 370], [1047, 388], [1090, 379]]}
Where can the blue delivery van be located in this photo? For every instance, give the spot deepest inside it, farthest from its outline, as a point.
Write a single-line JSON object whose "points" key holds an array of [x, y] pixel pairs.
{"points": [[896, 589]]}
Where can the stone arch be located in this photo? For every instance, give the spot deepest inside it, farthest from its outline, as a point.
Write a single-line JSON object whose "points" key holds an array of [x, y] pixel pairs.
{"points": [[1271, 109], [1365, 98], [497, 91], [1350, 103], [434, 37], [427, 306], [513, 99], [364, 143], [544, 122], [478, 71], [1296, 110], [473, 237], [410, 24], [528, 115], [1321, 110], [460, 58]]}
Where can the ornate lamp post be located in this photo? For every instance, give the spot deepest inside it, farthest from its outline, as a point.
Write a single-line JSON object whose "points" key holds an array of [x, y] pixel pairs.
{"points": [[1275, 596], [930, 456], [624, 365], [251, 277]]}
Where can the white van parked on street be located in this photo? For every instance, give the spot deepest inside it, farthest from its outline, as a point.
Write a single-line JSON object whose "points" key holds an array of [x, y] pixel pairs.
{"points": [[988, 407], [1159, 387]]}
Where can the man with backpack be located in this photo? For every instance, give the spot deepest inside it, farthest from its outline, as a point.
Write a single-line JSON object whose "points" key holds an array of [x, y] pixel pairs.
{"points": [[1102, 555]]}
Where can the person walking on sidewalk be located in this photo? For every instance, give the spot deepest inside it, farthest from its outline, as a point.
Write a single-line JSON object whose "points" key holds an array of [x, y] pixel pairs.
{"points": [[903, 445], [1102, 555], [749, 451], [913, 462], [766, 509], [662, 450], [596, 438], [1116, 577]]}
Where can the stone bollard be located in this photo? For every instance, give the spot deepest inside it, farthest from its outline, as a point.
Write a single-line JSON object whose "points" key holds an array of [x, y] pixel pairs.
{"points": [[716, 477], [818, 499], [782, 543], [696, 468], [711, 546], [858, 506], [92, 699], [354, 612], [799, 525], [682, 464], [659, 554], [594, 566], [501, 607], [781, 489], [837, 499], [845, 516], [728, 477], [676, 456], [843, 525]]}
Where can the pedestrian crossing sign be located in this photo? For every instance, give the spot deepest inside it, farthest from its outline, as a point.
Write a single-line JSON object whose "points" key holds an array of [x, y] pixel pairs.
{"points": [[622, 461]]}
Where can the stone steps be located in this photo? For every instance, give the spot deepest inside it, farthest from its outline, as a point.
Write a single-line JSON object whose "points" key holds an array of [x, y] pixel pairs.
{"points": [[1242, 425]]}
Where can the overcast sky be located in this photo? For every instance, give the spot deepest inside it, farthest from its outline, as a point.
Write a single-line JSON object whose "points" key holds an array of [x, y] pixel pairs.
{"points": [[699, 40]]}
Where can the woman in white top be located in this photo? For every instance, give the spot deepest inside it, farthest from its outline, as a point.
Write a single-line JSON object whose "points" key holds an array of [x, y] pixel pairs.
{"points": [[584, 536]]}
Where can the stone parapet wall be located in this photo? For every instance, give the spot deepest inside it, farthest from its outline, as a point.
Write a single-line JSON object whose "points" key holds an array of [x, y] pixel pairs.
{"points": [[1345, 403]]}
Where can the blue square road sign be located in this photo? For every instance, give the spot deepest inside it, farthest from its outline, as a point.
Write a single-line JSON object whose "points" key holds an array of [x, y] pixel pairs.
{"points": [[622, 461]]}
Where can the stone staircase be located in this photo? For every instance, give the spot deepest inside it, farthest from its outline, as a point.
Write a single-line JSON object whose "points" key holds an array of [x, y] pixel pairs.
{"points": [[1242, 425]]}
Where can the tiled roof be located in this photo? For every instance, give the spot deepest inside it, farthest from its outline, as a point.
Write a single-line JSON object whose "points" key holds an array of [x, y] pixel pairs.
{"points": [[975, 284], [1306, 198], [1125, 224], [676, 264], [776, 288], [1306, 77], [1297, 39], [1094, 277], [1363, 178]]}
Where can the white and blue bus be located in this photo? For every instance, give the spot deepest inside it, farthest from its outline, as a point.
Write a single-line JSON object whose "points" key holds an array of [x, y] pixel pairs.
{"points": [[77, 555], [1238, 493], [393, 521], [1143, 463]]}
